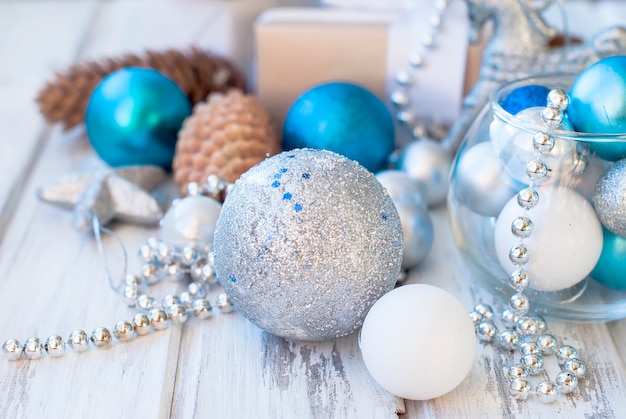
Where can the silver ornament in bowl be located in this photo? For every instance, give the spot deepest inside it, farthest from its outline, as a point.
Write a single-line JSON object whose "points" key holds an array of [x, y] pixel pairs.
{"points": [[305, 244]]}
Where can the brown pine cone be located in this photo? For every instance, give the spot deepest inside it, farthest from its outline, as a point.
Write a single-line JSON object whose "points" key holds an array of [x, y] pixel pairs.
{"points": [[196, 72], [225, 136]]}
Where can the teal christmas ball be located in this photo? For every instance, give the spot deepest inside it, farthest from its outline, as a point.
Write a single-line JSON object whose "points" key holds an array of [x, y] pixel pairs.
{"points": [[345, 118], [598, 104], [611, 267], [133, 117]]}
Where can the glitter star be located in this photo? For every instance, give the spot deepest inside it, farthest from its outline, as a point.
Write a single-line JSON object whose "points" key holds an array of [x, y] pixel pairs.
{"points": [[107, 194]]}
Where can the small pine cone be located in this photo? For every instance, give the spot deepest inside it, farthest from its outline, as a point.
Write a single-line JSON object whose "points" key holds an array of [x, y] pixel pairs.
{"points": [[196, 72], [225, 136]]}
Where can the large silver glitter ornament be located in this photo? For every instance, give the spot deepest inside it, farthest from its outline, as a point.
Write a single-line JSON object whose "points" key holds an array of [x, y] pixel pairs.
{"points": [[107, 194], [610, 198], [520, 47], [426, 161], [306, 242]]}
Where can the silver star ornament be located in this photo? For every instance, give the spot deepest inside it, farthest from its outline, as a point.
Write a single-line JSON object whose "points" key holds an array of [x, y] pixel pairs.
{"points": [[107, 194]]}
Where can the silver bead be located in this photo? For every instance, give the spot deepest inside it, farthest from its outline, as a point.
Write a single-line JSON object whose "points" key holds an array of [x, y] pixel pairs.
{"points": [[529, 347], [202, 308], [419, 131], [404, 78], [518, 280], [193, 189], [203, 272], [186, 298], [526, 326], [508, 340], [517, 371], [165, 253], [153, 242], [214, 184], [486, 331], [547, 391], [54, 346], [133, 280], [518, 255], [522, 227], [224, 304], [78, 341], [189, 255], [123, 331], [405, 117], [178, 313], [552, 116], [12, 350], [533, 363], [101, 338], [169, 300], [141, 324], [536, 170], [519, 303], [33, 348], [558, 98], [485, 310], [547, 344], [399, 98], [146, 253], [575, 366], [130, 294], [519, 388], [145, 302], [566, 352], [541, 324], [476, 317], [159, 319], [196, 289], [543, 142], [174, 272], [509, 318], [527, 198], [150, 273], [416, 60], [566, 381]]}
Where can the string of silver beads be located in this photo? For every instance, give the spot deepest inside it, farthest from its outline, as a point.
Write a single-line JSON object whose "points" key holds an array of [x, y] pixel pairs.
{"points": [[528, 334], [405, 79]]}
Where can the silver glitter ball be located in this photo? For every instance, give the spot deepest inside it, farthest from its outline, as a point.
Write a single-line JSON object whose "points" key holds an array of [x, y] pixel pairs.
{"points": [[609, 200], [306, 242]]}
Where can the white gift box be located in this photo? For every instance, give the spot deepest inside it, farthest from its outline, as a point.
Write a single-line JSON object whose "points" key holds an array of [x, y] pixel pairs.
{"points": [[298, 48]]}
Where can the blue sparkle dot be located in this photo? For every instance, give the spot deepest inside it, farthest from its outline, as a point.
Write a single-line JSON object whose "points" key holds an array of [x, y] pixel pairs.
{"points": [[270, 238], [297, 207], [275, 184], [291, 156], [278, 175], [287, 196], [306, 176], [233, 278], [283, 170], [384, 217]]}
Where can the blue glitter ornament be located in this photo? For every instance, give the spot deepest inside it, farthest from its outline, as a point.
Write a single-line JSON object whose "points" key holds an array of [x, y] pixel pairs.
{"points": [[133, 117], [344, 118], [525, 97], [610, 270], [598, 104]]}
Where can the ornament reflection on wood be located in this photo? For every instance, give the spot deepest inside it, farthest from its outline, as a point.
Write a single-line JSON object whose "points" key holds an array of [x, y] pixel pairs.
{"points": [[306, 242], [520, 47], [225, 136], [345, 118], [107, 194], [418, 342], [133, 117]]}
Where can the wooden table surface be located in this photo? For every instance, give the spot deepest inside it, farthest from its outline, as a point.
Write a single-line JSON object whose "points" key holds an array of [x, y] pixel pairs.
{"points": [[52, 281]]}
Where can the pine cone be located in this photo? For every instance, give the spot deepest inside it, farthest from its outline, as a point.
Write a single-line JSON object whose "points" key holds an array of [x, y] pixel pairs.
{"points": [[224, 136], [196, 72]]}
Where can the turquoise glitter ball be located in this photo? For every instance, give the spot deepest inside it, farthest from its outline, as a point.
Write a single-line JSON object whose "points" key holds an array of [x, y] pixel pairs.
{"points": [[133, 117], [345, 118]]}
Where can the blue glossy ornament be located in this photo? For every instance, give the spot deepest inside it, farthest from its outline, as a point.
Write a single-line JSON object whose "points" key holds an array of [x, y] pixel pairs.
{"points": [[525, 97], [611, 267], [341, 117], [598, 104], [133, 118]]}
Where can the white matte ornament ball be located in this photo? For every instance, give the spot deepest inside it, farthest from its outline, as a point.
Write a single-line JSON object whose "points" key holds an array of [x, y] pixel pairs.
{"points": [[565, 243], [418, 342], [306, 242], [191, 220], [425, 160]]}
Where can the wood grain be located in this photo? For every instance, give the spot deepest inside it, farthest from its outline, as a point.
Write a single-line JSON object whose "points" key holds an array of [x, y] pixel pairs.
{"points": [[52, 281]]}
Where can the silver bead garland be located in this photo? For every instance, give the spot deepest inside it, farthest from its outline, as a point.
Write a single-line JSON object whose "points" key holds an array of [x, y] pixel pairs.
{"points": [[528, 334], [161, 260]]}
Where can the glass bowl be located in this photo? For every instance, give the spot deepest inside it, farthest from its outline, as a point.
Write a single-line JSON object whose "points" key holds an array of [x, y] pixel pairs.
{"points": [[577, 266]]}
